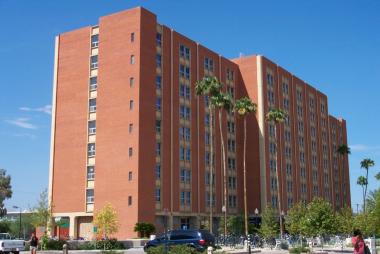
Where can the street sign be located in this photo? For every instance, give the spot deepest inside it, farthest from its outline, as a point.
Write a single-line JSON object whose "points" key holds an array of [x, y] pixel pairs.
{"points": [[95, 229]]}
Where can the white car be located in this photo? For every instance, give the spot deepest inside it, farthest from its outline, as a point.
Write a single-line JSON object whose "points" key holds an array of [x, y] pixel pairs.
{"points": [[7, 244]]}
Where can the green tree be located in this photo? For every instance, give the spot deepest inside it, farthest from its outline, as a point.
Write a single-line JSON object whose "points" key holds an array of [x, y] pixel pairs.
{"points": [[244, 107], [377, 176], [269, 223], [295, 221], [362, 181], [5, 188], [5, 226], [42, 212], [344, 220], [106, 221], [277, 116], [223, 102], [373, 202], [209, 87], [366, 164], [144, 228], [235, 225], [344, 150], [320, 218]]}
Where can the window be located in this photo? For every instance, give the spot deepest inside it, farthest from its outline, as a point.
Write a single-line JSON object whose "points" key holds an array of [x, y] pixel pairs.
{"points": [[158, 60], [232, 201], [185, 198], [184, 71], [207, 119], [185, 175], [158, 171], [231, 127], [132, 37], [130, 152], [158, 82], [130, 176], [158, 126], [90, 196], [230, 74], [207, 158], [158, 149], [231, 164], [92, 127], [131, 82], [184, 112], [129, 200], [188, 154], [184, 52], [231, 145], [90, 173], [209, 64], [91, 150], [130, 127], [132, 59], [187, 134], [207, 138], [208, 199], [206, 100], [208, 180], [95, 41], [182, 153], [93, 83], [158, 104], [130, 104], [94, 62], [158, 39], [269, 79], [158, 195]]}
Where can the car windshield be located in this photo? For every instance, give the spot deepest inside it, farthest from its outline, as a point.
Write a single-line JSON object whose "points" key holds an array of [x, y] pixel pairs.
{"points": [[4, 236]]}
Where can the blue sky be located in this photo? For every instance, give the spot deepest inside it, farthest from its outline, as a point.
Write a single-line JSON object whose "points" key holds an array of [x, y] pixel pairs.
{"points": [[333, 45]]}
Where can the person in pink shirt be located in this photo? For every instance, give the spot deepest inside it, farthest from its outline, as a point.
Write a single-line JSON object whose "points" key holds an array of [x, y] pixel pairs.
{"points": [[358, 242]]}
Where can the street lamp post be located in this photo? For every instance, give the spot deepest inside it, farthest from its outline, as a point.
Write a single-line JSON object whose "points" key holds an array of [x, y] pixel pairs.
{"points": [[19, 228], [165, 229]]}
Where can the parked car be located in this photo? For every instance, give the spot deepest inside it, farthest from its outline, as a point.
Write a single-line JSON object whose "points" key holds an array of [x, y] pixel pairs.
{"points": [[7, 244], [197, 239]]}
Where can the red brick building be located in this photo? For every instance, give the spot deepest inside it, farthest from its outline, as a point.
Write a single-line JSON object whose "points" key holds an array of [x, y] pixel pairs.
{"points": [[129, 130]]}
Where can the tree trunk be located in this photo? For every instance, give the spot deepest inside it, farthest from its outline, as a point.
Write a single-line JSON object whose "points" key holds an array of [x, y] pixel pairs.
{"points": [[365, 192], [211, 165], [224, 172], [245, 178], [278, 184]]}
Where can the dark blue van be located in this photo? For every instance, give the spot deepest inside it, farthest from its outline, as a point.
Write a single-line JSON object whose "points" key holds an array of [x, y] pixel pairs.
{"points": [[197, 239]]}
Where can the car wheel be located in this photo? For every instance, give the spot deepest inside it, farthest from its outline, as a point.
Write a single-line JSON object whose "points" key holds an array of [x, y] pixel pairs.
{"points": [[16, 252]]}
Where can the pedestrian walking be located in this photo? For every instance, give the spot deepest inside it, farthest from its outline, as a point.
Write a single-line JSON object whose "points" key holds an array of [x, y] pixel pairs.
{"points": [[358, 242], [33, 243]]}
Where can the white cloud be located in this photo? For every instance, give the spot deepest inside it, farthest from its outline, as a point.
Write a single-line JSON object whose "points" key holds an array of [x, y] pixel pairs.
{"points": [[25, 135], [363, 148], [45, 109], [22, 123]]}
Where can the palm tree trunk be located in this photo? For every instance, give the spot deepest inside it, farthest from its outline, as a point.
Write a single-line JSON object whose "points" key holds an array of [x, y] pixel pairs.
{"points": [[211, 166], [224, 172], [245, 178], [278, 186], [363, 198], [365, 192]]}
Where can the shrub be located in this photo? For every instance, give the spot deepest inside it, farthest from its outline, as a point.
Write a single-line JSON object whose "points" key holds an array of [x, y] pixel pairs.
{"points": [[176, 249], [182, 249], [298, 250], [109, 244], [87, 246], [52, 244], [156, 250], [144, 228]]}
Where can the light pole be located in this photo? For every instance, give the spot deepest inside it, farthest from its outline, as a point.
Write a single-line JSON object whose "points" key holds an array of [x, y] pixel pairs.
{"points": [[19, 228]]}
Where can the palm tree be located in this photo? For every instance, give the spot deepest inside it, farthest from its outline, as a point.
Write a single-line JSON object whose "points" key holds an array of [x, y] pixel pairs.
{"points": [[343, 150], [223, 102], [366, 164], [209, 87], [277, 116], [243, 107], [377, 176], [362, 181]]}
